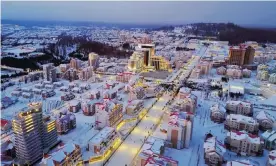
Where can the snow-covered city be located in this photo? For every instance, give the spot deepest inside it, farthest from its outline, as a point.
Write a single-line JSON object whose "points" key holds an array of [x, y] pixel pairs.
{"points": [[97, 95]]}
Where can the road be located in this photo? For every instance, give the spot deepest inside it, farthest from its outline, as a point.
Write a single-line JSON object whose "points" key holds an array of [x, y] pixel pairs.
{"points": [[132, 144]]}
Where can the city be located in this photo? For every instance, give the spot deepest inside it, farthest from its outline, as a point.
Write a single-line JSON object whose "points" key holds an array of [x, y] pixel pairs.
{"points": [[106, 95]]}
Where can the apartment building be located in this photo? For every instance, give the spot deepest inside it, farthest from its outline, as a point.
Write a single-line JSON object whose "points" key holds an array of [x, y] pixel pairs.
{"points": [[262, 75], [218, 113], [32, 134], [214, 151], [204, 67], [124, 77], [65, 123], [152, 152], [241, 55], [49, 72], [75, 63], [85, 73], [66, 155], [104, 142], [179, 131], [184, 92], [271, 159], [221, 70], [89, 107], [108, 113], [246, 73], [265, 120], [134, 107], [244, 144], [269, 138], [239, 107], [240, 122], [160, 63]]}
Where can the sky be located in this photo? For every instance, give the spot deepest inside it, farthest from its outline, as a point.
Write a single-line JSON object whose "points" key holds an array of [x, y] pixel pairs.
{"points": [[242, 13]]}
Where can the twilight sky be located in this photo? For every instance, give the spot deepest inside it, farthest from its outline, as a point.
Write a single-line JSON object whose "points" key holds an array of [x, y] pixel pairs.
{"points": [[244, 13]]}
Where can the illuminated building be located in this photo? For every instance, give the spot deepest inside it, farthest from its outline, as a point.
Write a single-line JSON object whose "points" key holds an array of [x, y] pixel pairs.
{"points": [[68, 154], [160, 63], [108, 113], [33, 134], [49, 72], [93, 60], [149, 51], [104, 141], [136, 62], [241, 55], [179, 131]]}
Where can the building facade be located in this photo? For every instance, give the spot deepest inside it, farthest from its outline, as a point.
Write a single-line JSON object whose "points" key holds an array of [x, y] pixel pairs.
{"points": [[244, 144], [49, 72], [218, 113], [65, 123], [239, 107], [179, 131], [240, 122]]}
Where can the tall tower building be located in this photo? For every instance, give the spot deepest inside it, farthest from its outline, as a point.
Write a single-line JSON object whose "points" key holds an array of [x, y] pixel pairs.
{"points": [[93, 60], [49, 72], [249, 55], [32, 134], [241, 55], [149, 51]]}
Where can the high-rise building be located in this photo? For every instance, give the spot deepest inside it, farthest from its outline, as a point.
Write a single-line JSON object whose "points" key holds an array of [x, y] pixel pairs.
{"points": [[93, 60], [49, 72], [86, 73], [32, 134], [160, 63], [136, 61], [75, 63], [241, 55], [179, 130], [149, 51]]}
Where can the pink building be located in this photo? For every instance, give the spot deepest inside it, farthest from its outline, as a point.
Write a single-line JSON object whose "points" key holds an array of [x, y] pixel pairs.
{"points": [[108, 113], [124, 77], [179, 131]]}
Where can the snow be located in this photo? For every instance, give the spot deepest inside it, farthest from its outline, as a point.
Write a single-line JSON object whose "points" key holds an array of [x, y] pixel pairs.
{"points": [[102, 135]]}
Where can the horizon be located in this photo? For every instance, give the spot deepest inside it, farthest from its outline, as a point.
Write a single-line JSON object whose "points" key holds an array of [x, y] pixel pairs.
{"points": [[144, 13]]}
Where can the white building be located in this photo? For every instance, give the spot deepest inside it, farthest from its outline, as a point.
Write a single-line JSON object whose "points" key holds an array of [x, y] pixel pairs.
{"points": [[272, 78], [240, 122]]}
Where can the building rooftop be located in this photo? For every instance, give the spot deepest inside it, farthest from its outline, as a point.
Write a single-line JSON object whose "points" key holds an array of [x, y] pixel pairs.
{"points": [[242, 135], [102, 135], [241, 119]]}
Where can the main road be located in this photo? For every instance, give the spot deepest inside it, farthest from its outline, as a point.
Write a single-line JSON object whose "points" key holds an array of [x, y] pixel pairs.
{"points": [[132, 144]]}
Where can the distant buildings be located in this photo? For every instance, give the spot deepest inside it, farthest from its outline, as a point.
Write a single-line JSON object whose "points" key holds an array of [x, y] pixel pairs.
{"points": [[213, 151], [244, 144], [86, 73], [124, 77], [108, 113], [240, 122], [49, 72], [65, 123], [75, 63], [179, 131], [241, 55], [262, 72], [68, 154], [33, 134], [239, 107]]}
